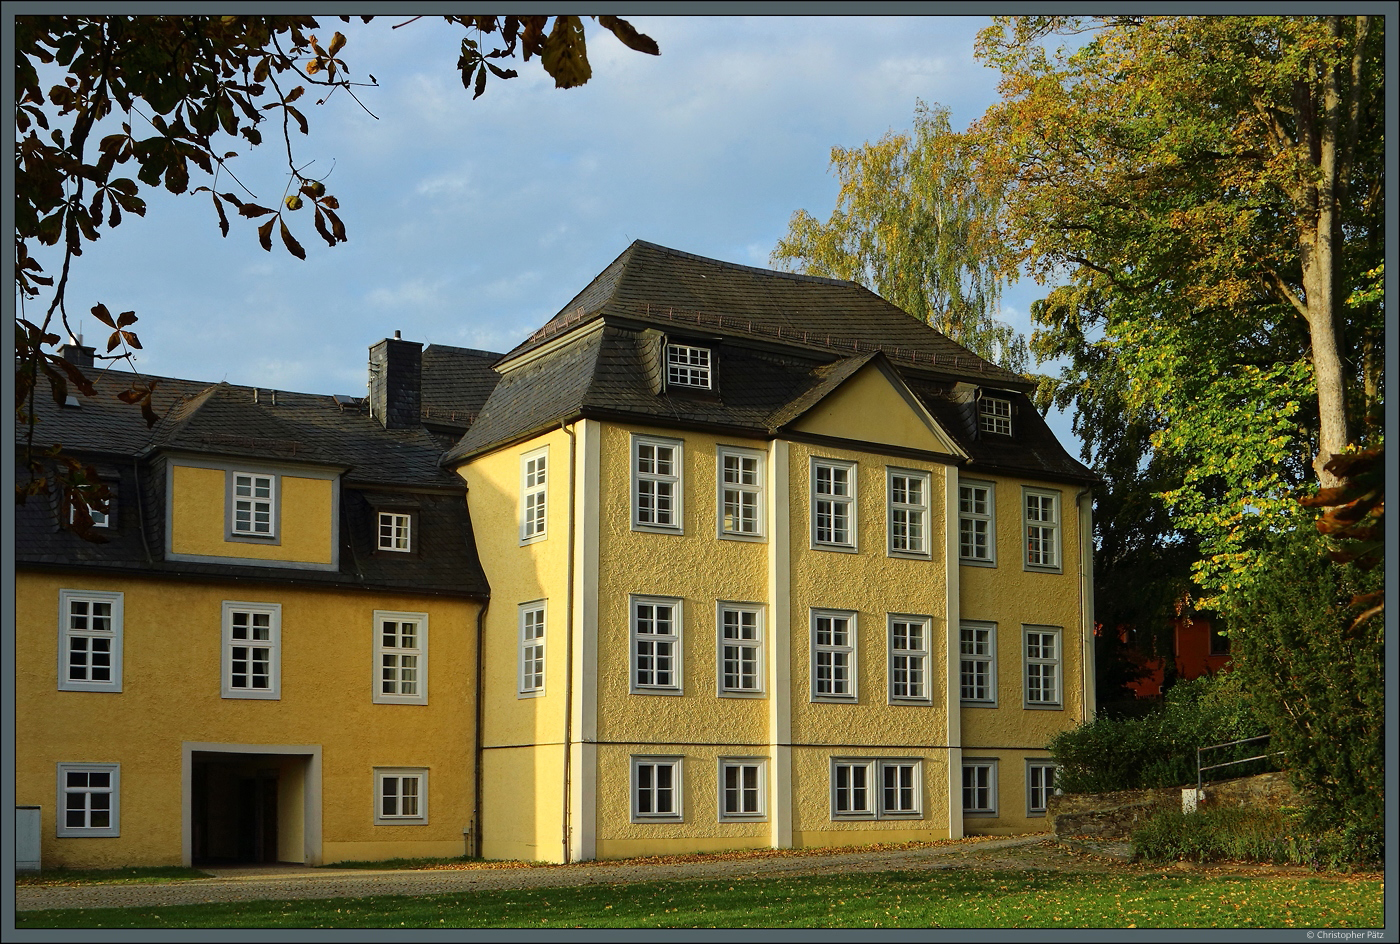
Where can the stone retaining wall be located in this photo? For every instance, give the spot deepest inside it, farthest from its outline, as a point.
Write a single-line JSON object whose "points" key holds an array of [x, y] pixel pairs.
{"points": [[1109, 816], [1269, 791]]}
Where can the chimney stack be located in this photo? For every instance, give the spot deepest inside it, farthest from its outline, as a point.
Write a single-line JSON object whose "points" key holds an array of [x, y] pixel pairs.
{"points": [[395, 382], [75, 353]]}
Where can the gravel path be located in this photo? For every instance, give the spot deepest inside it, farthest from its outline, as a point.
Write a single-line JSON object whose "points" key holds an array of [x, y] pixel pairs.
{"points": [[297, 882]]}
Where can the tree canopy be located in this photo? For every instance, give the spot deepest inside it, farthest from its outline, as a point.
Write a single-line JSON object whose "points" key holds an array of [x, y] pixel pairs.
{"points": [[140, 102], [1209, 191], [913, 224]]}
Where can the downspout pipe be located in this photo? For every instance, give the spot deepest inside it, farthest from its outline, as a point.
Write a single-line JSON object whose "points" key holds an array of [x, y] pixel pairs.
{"points": [[569, 643], [1088, 697], [475, 850]]}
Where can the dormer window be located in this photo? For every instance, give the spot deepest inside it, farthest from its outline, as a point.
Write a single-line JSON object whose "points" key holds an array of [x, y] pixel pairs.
{"points": [[100, 518], [254, 505], [395, 531], [994, 415], [688, 366]]}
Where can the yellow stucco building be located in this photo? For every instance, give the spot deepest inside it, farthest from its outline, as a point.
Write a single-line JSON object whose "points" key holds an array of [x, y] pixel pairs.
{"points": [[746, 559], [771, 564]]}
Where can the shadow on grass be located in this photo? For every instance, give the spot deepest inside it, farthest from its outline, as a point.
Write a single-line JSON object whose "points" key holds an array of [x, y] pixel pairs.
{"points": [[128, 876]]}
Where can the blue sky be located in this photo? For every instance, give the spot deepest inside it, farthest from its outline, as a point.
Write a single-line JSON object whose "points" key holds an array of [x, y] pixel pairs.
{"points": [[472, 222]]}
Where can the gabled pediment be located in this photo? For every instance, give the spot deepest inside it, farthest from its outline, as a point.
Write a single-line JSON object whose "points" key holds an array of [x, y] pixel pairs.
{"points": [[865, 400]]}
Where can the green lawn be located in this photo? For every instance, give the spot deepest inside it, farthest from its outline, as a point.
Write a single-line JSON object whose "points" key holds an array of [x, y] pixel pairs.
{"points": [[950, 899]]}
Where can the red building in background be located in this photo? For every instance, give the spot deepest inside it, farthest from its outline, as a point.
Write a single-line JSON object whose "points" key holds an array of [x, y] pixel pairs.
{"points": [[1198, 648]]}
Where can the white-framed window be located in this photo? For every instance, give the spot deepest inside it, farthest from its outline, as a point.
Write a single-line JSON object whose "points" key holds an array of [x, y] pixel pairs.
{"points": [[252, 505], [656, 484], [89, 800], [534, 472], [979, 787], [400, 658], [741, 513], [100, 519], [656, 789], [395, 531], [977, 646], [401, 795], [1040, 784], [876, 788], [688, 366], [1042, 651], [833, 655], [907, 512], [656, 646], [909, 659], [740, 647], [833, 504], [743, 789], [1042, 529], [994, 415], [90, 641], [531, 676], [977, 527], [252, 650]]}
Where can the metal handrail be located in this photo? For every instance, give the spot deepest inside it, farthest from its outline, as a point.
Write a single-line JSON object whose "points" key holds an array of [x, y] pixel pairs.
{"points": [[1229, 763]]}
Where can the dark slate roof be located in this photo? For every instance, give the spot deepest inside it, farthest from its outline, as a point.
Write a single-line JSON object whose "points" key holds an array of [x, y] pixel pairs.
{"points": [[1032, 451], [456, 383], [233, 422], [610, 372], [679, 291], [607, 361]]}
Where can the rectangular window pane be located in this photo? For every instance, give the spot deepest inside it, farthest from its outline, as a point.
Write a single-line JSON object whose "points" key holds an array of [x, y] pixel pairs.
{"points": [[655, 645]]}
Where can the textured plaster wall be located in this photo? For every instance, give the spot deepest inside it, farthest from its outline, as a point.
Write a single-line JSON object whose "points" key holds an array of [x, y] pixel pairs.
{"points": [[304, 527], [811, 779], [522, 737], [171, 686], [868, 408], [1012, 596], [872, 584], [700, 568], [699, 804], [695, 566]]}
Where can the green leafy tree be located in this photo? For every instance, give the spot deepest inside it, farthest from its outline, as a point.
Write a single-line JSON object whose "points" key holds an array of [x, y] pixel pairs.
{"points": [[1314, 658], [1216, 183], [141, 102], [1142, 557], [913, 224]]}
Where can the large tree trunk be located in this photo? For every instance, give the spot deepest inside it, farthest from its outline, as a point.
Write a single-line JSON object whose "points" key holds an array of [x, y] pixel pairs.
{"points": [[1319, 282], [1328, 141]]}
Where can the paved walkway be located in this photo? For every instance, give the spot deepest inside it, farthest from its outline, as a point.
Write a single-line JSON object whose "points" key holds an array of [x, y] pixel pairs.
{"points": [[298, 882]]}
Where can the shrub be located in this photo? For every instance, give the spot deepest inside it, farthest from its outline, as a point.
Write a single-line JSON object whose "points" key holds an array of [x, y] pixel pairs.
{"points": [[1253, 835], [1159, 750], [1318, 678]]}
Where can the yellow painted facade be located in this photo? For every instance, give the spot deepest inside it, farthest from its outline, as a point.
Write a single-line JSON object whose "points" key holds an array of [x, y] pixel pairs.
{"points": [[867, 425], [199, 526], [522, 737], [847, 413], [319, 742]]}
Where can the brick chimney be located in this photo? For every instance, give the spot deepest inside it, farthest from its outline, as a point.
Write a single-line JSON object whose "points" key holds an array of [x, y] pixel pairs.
{"points": [[396, 382]]}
